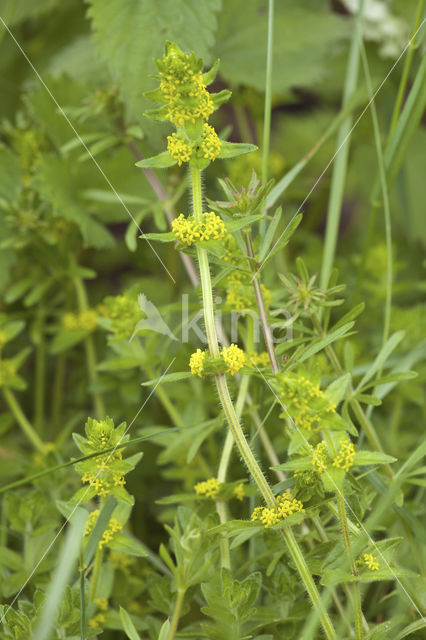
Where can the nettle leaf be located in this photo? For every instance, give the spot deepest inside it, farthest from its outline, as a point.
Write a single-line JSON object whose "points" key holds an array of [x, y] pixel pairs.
{"points": [[310, 35], [130, 33], [10, 174]]}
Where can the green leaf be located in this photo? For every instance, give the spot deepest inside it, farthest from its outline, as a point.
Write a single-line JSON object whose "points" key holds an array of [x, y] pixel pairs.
{"points": [[234, 149], [128, 626], [160, 161], [169, 377], [169, 236], [320, 344], [283, 239], [10, 174], [130, 34], [307, 37], [65, 567], [381, 358], [365, 458], [335, 392], [164, 631], [269, 235], [241, 223], [59, 182], [130, 546]]}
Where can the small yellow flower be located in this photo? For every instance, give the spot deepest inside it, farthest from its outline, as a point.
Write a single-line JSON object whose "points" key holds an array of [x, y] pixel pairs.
{"points": [[211, 144], [319, 457], [209, 488], [257, 359], [234, 357], [101, 603], [196, 362], [369, 561], [114, 526], [97, 621], [239, 492], [179, 148], [345, 455], [286, 506]]}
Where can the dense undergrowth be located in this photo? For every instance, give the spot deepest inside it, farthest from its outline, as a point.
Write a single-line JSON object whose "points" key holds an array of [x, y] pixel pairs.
{"points": [[212, 363]]}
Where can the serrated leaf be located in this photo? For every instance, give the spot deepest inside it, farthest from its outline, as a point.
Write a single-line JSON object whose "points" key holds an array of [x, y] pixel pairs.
{"points": [[139, 32]]}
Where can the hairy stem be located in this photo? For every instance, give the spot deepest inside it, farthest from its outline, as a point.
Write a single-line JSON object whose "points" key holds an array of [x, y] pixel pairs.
{"points": [[235, 427]]}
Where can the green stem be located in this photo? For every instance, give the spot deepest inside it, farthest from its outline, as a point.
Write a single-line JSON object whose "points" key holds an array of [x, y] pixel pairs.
{"points": [[341, 158], [58, 394], [298, 559], [266, 329], [234, 424], [22, 420], [90, 349], [406, 69], [355, 585], [40, 375], [82, 599], [268, 93], [176, 614], [95, 573], [386, 203]]}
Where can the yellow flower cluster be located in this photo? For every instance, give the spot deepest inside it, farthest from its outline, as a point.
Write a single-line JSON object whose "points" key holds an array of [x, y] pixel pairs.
{"points": [[103, 482], [234, 357], [301, 397], [101, 603], [196, 363], [319, 457], [286, 506], [97, 621], [209, 488], [254, 359], [345, 455], [239, 492], [240, 293], [83, 321], [183, 89], [179, 148], [187, 230], [210, 144], [370, 561], [112, 528], [123, 311], [7, 370]]}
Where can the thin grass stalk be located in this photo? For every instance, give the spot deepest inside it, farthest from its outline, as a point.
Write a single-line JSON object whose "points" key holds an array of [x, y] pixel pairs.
{"points": [[341, 160], [385, 197], [407, 67]]}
